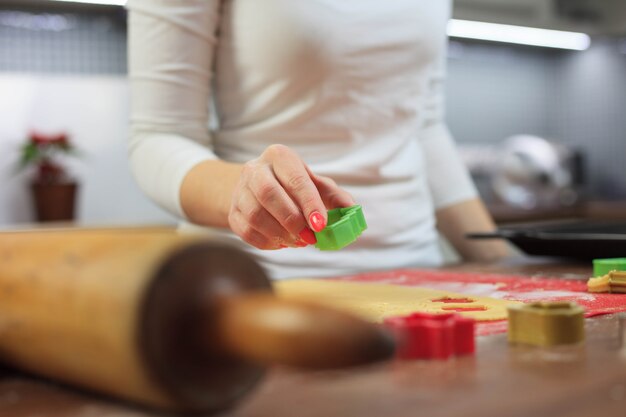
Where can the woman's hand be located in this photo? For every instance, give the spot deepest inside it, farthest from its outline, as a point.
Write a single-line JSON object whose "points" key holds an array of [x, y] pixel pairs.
{"points": [[278, 202]]}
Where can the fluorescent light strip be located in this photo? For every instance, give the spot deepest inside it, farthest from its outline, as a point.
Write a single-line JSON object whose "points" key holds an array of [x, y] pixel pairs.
{"points": [[518, 34], [468, 29], [104, 2]]}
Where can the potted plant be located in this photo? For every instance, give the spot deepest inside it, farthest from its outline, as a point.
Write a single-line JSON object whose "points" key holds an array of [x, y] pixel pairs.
{"points": [[54, 191]]}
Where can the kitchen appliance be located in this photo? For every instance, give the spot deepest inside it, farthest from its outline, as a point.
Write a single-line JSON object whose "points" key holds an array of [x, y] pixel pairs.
{"points": [[527, 173]]}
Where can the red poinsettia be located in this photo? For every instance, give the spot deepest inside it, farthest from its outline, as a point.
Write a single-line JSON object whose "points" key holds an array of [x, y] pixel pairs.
{"points": [[45, 153]]}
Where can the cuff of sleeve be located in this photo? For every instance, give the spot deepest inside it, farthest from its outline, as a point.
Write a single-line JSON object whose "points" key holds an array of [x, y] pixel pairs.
{"points": [[160, 162], [448, 178]]}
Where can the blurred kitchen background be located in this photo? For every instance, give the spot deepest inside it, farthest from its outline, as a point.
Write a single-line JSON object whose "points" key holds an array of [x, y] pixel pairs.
{"points": [[542, 127]]}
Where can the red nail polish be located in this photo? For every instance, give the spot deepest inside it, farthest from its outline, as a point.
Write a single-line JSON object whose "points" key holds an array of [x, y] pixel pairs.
{"points": [[317, 221], [300, 244], [308, 236], [282, 246]]}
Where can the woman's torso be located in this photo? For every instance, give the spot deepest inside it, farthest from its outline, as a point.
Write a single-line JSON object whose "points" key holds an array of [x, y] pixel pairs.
{"points": [[343, 83]]}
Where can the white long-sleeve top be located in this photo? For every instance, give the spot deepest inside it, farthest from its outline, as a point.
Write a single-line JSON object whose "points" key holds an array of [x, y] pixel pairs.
{"points": [[353, 86]]}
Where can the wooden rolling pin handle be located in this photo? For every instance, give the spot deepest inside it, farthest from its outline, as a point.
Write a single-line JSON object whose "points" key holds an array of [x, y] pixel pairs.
{"points": [[210, 323], [267, 330]]}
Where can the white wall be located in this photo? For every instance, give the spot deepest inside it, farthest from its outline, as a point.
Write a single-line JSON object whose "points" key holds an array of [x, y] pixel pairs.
{"points": [[589, 113], [497, 91], [94, 111]]}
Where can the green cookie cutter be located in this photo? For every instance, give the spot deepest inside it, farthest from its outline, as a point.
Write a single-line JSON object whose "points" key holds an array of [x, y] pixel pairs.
{"points": [[604, 266], [343, 227]]}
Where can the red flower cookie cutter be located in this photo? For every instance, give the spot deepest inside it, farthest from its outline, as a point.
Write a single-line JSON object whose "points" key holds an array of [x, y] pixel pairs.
{"points": [[432, 336]]}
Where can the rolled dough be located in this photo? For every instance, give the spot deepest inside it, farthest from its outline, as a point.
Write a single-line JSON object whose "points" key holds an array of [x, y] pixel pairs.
{"points": [[376, 301]]}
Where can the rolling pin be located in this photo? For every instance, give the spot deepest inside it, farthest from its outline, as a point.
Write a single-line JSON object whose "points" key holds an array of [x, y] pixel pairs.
{"points": [[171, 322]]}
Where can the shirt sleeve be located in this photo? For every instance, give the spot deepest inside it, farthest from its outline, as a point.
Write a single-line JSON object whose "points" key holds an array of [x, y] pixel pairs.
{"points": [[448, 178], [171, 46]]}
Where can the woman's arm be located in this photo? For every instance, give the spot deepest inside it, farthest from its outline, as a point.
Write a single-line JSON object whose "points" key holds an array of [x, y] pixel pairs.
{"points": [[209, 205], [170, 52], [270, 202], [456, 220], [458, 208]]}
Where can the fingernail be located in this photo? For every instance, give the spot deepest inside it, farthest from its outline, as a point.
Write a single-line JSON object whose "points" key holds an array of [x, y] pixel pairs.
{"points": [[301, 244], [308, 236], [317, 221], [282, 246]]}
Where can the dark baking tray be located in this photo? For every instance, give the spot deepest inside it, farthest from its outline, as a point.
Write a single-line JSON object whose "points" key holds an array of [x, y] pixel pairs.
{"points": [[580, 240]]}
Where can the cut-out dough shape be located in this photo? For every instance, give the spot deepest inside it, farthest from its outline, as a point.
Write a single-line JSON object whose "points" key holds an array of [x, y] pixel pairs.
{"points": [[465, 308], [452, 300]]}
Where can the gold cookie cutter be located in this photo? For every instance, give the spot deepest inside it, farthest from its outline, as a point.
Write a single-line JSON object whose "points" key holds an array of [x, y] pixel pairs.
{"points": [[546, 323]]}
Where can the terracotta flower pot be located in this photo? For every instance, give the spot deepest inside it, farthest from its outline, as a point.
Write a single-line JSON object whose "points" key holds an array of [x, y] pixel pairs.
{"points": [[55, 202]]}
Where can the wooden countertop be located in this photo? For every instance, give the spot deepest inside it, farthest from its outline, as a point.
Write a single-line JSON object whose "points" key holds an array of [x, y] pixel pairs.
{"points": [[501, 380]]}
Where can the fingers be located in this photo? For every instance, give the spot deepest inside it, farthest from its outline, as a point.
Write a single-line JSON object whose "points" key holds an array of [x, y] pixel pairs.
{"points": [[272, 197], [332, 195], [294, 177], [239, 224], [262, 221]]}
